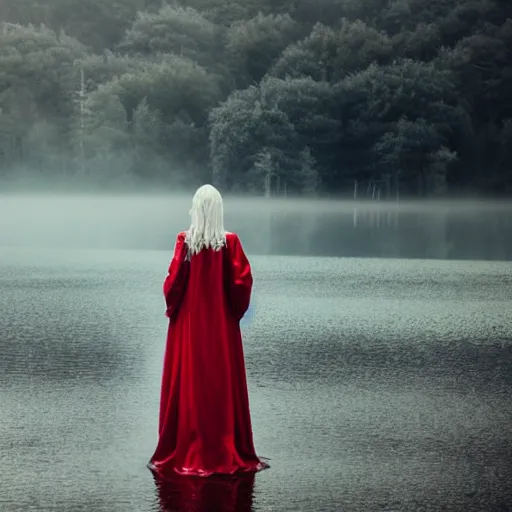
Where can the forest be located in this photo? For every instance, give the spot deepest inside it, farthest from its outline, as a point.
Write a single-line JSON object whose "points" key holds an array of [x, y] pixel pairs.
{"points": [[404, 98]]}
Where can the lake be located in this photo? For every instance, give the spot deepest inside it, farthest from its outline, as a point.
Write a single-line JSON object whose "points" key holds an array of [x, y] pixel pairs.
{"points": [[375, 384], [470, 230]]}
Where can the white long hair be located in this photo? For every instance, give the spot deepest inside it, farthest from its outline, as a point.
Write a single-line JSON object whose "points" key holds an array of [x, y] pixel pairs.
{"points": [[207, 221]]}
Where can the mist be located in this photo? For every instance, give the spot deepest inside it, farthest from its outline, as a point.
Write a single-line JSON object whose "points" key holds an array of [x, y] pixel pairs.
{"points": [[442, 229]]}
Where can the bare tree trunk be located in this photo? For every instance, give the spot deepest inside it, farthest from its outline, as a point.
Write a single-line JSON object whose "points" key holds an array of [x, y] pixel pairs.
{"points": [[82, 120]]}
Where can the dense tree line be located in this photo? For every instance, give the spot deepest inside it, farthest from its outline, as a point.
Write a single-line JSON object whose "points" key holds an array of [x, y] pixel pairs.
{"points": [[263, 96]]}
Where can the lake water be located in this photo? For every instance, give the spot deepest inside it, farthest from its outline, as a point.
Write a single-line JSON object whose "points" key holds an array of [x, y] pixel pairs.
{"points": [[375, 385], [474, 230]]}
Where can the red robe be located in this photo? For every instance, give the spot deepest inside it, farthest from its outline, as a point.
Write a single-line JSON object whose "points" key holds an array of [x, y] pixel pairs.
{"points": [[205, 424]]}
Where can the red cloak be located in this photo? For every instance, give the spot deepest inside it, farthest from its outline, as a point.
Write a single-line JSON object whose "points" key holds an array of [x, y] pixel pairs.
{"points": [[205, 424]]}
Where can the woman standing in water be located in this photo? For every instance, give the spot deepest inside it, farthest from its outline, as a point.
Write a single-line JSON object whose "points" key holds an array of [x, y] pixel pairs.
{"points": [[205, 424]]}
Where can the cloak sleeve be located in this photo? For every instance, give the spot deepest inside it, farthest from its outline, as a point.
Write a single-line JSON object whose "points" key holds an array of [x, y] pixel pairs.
{"points": [[238, 278], [175, 283]]}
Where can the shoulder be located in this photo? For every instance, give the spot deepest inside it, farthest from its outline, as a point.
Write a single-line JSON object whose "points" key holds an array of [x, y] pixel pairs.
{"points": [[232, 238], [233, 242], [180, 239]]}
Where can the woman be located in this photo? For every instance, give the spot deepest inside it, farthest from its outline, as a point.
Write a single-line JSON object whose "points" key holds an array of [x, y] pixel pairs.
{"points": [[205, 424]]}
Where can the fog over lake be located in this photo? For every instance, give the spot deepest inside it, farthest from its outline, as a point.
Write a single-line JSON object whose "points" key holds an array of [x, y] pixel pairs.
{"points": [[480, 230]]}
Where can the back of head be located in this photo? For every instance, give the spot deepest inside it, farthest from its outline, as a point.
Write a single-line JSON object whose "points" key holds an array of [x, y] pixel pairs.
{"points": [[207, 221]]}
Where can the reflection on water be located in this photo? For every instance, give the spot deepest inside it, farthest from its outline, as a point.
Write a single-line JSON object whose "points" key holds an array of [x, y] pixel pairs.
{"points": [[459, 230], [192, 494], [439, 230]]}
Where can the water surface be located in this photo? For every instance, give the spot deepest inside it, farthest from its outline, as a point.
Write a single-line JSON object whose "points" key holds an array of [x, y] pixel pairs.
{"points": [[474, 230], [375, 384]]}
